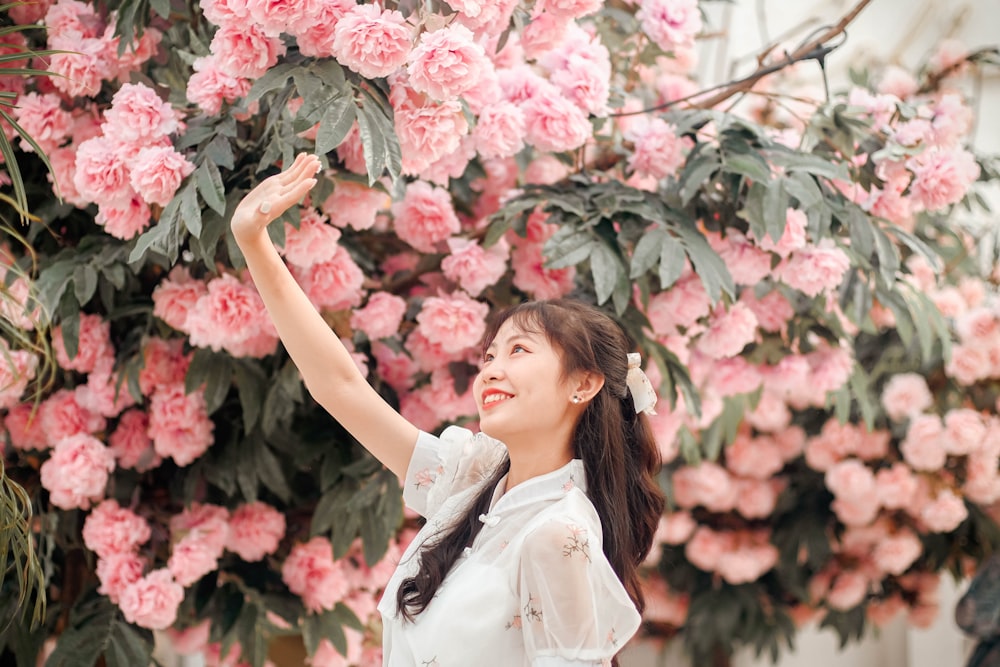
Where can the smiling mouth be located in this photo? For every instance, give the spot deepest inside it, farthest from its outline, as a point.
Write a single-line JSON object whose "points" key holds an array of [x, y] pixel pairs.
{"points": [[493, 399]]}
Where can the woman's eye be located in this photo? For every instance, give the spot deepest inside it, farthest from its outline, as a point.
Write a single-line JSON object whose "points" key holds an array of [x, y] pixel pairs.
{"points": [[518, 347], [487, 357]]}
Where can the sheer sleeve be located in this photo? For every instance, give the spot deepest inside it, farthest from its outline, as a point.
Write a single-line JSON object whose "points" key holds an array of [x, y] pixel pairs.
{"points": [[443, 466], [574, 610]]}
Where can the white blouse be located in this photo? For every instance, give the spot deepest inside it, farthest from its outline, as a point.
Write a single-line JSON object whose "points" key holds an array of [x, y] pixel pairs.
{"points": [[535, 588]]}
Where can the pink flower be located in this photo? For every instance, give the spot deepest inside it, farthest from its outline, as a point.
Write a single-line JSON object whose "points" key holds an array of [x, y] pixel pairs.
{"points": [[945, 513], [111, 529], [829, 369], [316, 29], [968, 364], [395, 368], [104, 394], [255, 529], [427, 131], [176, 296], [707, 484], [381, 316], [855, 512], [244, 50], [895, 554], [117, 571], [473, 267], [499, 130], [204, 522], [44, 119], [658, 151], [77, 472], [532, 276], [335, 284], [895, 486], [424, 216], [190, 640], [191, 559], [680, 306], [137, 114], [313, 242], [447, 62], [670, 23], [923, 447], [942, 177], [771, 414], [17, 369], [80, 71], [814, 269], [905, 395], [275, 16], [569, 8], [61, 416], [157, 172], [229, 313], [965, 431], [372, 42], [311, 573], [706, 547], [163, 363], [131, 443], [93, 344], [553, 123], [747, 563], [355, 205], [982, 479], [430, 355], [728, 331], [792, 239], [757, 458], [210, 86], [178, 424], [125, 222], [894, 80], [152, 601], [747, 264], [757, 498], [455, 322], [545, 31], [101, 174], [676, 527], [24, 427], [848, 590], [850, 479]]}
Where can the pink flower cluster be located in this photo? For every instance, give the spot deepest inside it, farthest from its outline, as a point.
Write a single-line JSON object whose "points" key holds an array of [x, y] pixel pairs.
{"points": [[131, 164]]}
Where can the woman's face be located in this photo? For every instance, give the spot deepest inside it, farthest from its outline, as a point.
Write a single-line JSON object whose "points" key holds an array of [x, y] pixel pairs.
{"points": [[520, 388]]}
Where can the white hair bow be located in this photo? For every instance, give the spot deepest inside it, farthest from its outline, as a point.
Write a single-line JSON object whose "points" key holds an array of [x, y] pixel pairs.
{"points": [[643, 394]]}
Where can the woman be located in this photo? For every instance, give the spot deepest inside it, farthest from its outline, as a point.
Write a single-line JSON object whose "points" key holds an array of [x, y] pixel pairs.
{"points": [[530, 549]]}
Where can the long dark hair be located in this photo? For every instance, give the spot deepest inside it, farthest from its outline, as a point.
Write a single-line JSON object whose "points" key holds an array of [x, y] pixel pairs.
{"points": [[619, 453]]}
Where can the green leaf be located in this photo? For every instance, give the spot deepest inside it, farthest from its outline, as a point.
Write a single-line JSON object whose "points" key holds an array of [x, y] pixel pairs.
{"points": [[190, 210], [270, 472], [751, 165], [606, 268], [647, 252], [335, 123], [378, 137], [250, 383], [162, 238], [210, 186], [98, 628], [707, 263], [568, 247], [84, 283], [696, 172], [671, 261], [275, 78]]}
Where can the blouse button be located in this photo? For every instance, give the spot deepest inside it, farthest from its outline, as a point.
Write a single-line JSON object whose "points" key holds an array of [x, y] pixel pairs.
{"points": [[489, 520]]}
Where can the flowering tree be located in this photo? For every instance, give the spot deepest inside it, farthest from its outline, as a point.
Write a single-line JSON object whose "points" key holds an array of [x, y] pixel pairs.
{"points": [[814, 312]]}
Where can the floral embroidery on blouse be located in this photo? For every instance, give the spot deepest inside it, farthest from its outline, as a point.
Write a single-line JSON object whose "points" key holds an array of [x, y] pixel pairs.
{"points": [[570, 483], [530, 611], [514, 623], [612, 638], [425, 478], [433, 662], [578, 543]]}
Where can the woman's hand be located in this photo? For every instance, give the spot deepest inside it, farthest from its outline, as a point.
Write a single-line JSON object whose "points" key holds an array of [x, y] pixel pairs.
{"points": [[273, 196]]}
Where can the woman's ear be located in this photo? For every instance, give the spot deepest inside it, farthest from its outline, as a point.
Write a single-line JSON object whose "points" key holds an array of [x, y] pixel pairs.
{"points": [[587, 385]]}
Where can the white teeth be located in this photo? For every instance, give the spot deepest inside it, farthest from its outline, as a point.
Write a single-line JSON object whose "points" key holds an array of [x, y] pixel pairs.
{"points": [[493, 398]]}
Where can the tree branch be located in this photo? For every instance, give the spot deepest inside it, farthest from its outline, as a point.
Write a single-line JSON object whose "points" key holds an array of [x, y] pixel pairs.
{"points": [[815, 49]]}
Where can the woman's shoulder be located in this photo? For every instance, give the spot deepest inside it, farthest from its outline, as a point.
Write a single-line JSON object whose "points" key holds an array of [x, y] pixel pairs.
{"points": [[573, 515]]}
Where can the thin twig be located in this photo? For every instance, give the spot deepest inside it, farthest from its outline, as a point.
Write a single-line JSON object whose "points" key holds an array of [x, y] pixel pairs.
{"points": [[815, 49]]}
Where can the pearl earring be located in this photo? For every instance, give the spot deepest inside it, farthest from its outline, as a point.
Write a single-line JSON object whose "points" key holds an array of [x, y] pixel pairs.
{"points": [[576, 399]]}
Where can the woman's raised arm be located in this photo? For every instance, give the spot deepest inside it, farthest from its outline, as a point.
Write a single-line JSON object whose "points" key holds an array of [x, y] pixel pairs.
{"points": [[329, 372]]}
